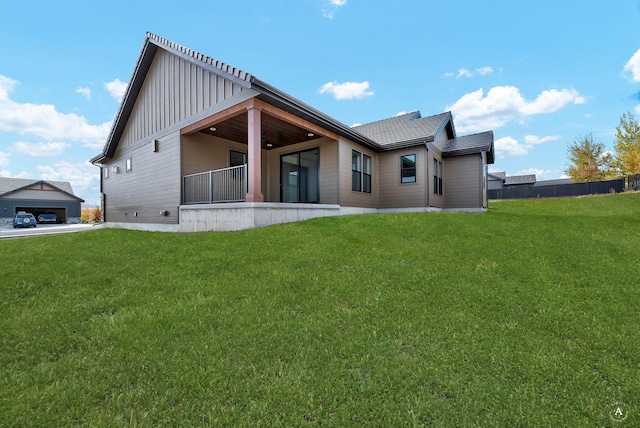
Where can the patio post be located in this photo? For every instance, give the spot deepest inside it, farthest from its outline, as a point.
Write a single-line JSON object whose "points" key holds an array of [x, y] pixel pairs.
{"points": [[254, 161]]}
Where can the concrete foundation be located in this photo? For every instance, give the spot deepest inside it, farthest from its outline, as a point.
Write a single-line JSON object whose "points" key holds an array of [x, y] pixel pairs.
{"points": [[250, 215]]}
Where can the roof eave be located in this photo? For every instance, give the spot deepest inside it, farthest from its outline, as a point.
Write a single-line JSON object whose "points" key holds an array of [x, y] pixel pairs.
{"points": [[286, 102]]}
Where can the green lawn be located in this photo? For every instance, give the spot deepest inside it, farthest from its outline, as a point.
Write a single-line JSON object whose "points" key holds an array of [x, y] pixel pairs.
{"points": [[527, 315]]}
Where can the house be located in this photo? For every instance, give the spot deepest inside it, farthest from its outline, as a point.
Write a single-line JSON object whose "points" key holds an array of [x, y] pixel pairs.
{"points": [[496, 180], [38, 197], [520, 180], [199, 145]]}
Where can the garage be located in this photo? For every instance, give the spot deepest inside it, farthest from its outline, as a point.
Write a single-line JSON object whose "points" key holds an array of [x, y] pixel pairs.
{"points": [[60, 213], [38, 197]]}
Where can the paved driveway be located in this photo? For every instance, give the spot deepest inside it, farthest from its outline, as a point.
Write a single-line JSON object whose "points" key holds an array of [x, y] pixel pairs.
{"points": [[7, 230]]}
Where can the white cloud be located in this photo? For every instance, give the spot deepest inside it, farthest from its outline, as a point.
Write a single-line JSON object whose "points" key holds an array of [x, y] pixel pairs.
{"points": [[4, 159], [463, 72], [539, 173], [44, 121], [332, 7], [116, 89], [638, 109], [534, 139], [5, 173], [347, 90], [551, 101], [502, 104], [509, 146], [85, 92], [632, 67], [83, 176], [40, 149], [400, 113]]}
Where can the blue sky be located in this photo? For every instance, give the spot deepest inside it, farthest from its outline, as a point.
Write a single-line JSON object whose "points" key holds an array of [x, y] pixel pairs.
{"points": [[539, 74]]}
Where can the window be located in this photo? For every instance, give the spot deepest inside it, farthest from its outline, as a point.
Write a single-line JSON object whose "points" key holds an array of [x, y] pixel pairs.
{"points": [[356, 171], [105, 170], [408, 169], [237, 158], [437, 177], [129, 165], [366, 174], [360, 172]]}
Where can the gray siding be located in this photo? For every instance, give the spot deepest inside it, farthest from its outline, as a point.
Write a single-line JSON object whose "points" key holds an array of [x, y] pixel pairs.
{"points": [[349, 198], [441, 139], [153, 185], [328, 169], [40, 193], [202, 153], [463, 181], [394, 194], [174, 89], [435, 200]]}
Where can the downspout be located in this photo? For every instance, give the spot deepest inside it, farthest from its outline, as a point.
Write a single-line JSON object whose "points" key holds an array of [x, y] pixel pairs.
{"points": [[427, 177]]}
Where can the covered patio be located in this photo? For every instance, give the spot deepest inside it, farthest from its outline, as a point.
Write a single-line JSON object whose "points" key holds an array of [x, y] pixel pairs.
{"points": [[260, 128]]}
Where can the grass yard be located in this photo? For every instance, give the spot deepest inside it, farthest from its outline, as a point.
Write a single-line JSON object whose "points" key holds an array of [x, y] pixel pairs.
{"points": [[524, 316]]}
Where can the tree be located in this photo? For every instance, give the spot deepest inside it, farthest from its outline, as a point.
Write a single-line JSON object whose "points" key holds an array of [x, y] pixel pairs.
{"points": [[589, 161], [627, 145]]}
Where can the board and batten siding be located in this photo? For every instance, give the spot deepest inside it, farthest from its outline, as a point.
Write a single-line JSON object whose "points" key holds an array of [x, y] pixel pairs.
{"points": [[393, 193], [174, 89], [328, 169], [154, 183], [348, 197], [463, 181]]}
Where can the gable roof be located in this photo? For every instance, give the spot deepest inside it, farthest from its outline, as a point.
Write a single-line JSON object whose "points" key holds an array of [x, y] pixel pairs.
{"points": [[11, 185], [469, 144], [266, 92], [497, 175], [405, 130], [520, 179], [401, 131]]}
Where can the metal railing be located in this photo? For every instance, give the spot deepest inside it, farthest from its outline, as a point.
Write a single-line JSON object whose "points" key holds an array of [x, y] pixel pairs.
{"points": [[221, 185]]}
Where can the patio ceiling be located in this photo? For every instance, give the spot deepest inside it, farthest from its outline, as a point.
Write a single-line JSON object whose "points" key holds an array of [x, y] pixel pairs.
{"points": [[278, 127], [276, 132]]}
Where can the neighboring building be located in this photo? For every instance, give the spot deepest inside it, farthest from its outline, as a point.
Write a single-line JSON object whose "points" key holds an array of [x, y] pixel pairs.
{"points": [[38, 197], [200, 145], [496, 180], [556, 182], [520, 180]]}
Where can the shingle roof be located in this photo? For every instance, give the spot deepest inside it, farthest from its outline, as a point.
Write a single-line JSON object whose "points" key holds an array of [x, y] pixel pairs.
{"points": [[404, 129], [204, 59], [554, 182], [267, 92], [9, 185], [389, 134], [469, 144], [520, 179]]}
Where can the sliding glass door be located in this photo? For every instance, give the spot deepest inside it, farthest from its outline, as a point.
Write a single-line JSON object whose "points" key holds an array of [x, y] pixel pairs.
{"points": [[299, 176]]}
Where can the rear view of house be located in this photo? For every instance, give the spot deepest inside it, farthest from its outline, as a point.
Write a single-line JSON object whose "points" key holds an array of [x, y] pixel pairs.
{"points": [[199, 145]]}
